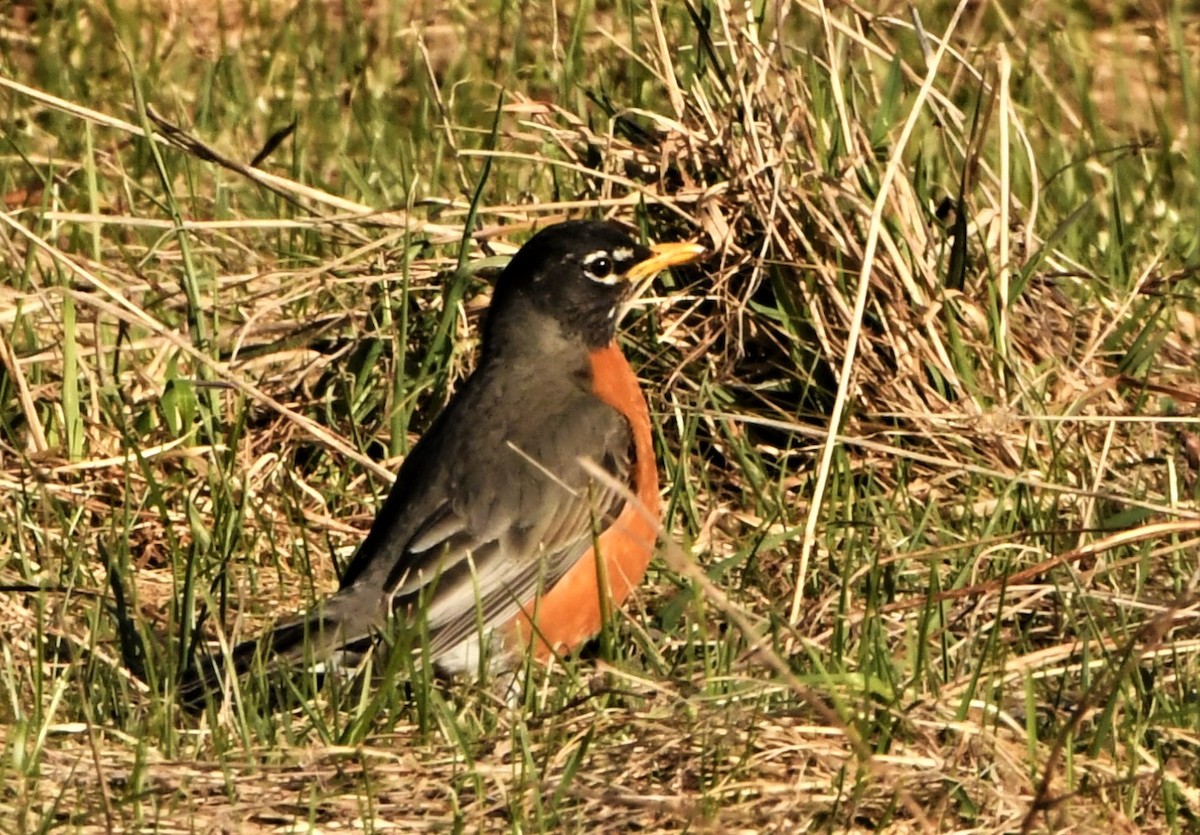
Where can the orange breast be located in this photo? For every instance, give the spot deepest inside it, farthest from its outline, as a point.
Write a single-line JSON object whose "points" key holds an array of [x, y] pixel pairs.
{"points": [[570, 612]]}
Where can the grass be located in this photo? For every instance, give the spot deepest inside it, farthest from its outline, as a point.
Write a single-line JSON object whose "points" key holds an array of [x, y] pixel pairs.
{"points": [[927, 420]]}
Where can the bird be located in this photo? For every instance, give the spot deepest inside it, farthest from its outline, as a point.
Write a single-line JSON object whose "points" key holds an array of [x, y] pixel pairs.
{"points": [[530, 507]]}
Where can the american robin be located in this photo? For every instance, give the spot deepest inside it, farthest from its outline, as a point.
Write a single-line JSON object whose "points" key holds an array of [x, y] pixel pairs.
{"points": [[497, 528]]}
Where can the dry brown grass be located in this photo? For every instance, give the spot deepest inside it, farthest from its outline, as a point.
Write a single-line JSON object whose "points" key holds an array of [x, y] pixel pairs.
{"points": [[957, 410]]}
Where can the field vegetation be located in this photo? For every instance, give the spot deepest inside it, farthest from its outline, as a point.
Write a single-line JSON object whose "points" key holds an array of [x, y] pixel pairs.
{"points": [[927, 418]]}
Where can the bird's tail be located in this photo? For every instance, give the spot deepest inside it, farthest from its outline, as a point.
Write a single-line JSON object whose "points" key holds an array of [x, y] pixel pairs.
{"points": [[312, 638]]}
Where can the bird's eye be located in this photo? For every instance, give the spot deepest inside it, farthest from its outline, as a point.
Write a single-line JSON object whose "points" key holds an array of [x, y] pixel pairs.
{"points": [[599, 267]]}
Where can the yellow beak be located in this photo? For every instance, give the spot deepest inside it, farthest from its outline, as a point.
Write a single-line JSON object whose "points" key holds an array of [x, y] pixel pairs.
{"points": [[663, 256]]}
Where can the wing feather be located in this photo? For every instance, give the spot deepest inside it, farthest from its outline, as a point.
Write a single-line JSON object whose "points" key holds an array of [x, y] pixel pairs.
{"points": [[489, 579]]}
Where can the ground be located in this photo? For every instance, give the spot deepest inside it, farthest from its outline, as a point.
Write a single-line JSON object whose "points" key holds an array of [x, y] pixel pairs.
{"points": [[926, 418]]}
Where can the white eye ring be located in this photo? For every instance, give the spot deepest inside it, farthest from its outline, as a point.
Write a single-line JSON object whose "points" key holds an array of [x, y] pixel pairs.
{"points": [[599, 267]]}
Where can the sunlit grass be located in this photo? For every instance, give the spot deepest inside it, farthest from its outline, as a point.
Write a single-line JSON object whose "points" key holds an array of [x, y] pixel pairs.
{"points": [[205, 380]]}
